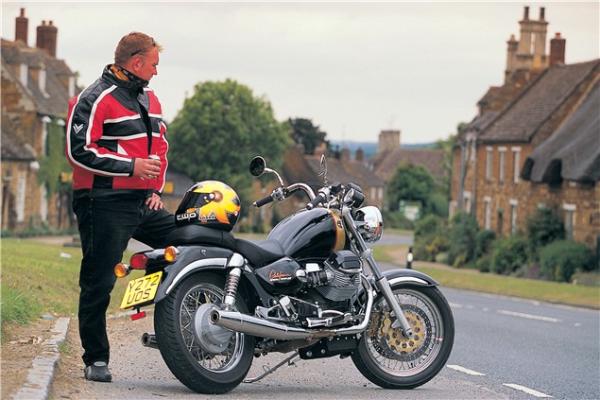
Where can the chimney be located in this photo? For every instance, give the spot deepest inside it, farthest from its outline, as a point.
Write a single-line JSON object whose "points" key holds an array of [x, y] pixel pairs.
{"points": [[388, 140], [40, 39], [557, 49], [359, 155], [21, 27], [511, 53], [46, 38], [52, 33]]}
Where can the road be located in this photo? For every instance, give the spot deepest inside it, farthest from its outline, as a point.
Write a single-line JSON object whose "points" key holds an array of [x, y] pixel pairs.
{"points": [[504, 348]]}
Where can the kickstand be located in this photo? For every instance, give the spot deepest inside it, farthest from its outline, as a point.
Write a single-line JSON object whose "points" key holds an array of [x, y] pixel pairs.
{"points": [[290, 361]]}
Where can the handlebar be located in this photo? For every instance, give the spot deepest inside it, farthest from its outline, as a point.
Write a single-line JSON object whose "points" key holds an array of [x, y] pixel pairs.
{"points": [[264, 201]]}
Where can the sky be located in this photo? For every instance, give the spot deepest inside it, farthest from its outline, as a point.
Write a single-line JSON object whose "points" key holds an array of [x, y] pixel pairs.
{"points": [[353, 68]]}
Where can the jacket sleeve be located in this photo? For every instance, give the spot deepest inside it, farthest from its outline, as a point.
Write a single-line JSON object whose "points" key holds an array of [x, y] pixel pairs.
{"points": [[84, 130]]}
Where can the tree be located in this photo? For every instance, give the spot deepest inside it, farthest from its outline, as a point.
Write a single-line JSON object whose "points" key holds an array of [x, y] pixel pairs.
{"points": [[219, 129], [306, 133], [410, 182]]}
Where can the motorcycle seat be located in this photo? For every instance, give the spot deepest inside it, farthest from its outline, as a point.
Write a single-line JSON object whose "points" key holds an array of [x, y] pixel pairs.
{"points": [[195, 234], [260, 253]]}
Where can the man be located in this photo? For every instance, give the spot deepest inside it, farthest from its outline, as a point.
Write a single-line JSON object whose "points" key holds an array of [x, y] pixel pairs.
{"points": [[117, 147]]}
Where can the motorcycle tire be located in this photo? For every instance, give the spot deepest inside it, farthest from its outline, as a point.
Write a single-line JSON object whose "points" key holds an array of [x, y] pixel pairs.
{"points": [[171, 339], [430, 317]]}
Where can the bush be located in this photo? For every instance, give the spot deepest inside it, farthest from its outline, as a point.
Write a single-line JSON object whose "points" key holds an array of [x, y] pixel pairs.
{"points": [[462, 232], [430, 238], [543, 227], [437, 204], [426, 248], [509, 255], [559, 260], [483, 264], [395, 219], [427, 226], [483, 242]]}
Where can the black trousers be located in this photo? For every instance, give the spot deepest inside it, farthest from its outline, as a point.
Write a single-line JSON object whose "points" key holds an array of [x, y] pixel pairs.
{"points": [[106, 221]]}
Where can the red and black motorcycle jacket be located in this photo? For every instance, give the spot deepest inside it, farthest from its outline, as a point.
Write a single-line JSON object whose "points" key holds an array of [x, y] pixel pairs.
{"points": [[111, 123]]}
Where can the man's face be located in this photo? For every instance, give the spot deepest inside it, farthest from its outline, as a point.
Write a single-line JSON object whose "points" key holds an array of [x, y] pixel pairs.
{"points": [[145, 65]]}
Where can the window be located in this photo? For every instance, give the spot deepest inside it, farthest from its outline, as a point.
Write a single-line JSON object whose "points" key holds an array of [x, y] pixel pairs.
{"points": [[380, 193], [488, 212], [23, 74], [45, 121], [516, 164], [42, 82], [21, 186], [489, 162], [569, 219], [513, 216], [373, 193], [501, 163], [467, 202]]}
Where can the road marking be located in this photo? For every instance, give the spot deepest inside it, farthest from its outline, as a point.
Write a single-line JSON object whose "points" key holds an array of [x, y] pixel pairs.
{"points": [[464, 370], [528, 316], [577, 324], [485, 309], [455, 305], [527, 390]]}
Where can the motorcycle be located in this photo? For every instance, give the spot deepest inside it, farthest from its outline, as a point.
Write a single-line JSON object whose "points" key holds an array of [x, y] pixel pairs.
{"points": [[312, 288]]}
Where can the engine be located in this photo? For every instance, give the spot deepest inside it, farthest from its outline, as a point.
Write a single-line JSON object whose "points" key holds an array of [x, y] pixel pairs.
{"points": [[326, 294]]}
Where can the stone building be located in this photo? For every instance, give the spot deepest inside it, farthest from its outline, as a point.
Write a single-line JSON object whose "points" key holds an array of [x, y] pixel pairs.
{"points": [[300, 167], [390, 156], [539, 96], [36, 87]]}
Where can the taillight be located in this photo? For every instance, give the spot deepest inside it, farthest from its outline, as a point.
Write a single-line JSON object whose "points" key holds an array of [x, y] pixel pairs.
{"points": [[138, 261]]}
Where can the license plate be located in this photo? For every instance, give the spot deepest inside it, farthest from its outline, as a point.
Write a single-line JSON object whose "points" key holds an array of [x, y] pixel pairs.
{"points": [[141, 290]]}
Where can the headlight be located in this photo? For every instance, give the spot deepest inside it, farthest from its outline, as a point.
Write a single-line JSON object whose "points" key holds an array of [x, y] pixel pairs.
{"points": [[369, 223]]}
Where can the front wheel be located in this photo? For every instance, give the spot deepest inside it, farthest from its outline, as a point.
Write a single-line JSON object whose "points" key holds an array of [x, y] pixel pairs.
{"points": [[389, 359], [210, 360]]}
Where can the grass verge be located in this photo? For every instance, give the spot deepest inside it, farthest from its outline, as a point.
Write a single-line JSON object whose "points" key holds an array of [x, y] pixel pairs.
{"points": [[42, 278], [553, 292]]}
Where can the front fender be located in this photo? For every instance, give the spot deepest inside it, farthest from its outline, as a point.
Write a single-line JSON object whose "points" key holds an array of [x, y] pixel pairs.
{"points": [[191, 259], [408, 276]]}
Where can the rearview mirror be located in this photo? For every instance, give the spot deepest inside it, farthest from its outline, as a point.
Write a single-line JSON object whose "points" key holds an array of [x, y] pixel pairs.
{"points": [[257, 166]]}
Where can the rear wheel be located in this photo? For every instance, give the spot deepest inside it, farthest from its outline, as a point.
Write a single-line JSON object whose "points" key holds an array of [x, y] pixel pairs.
{"points": [[217, 360], [389, 359]]}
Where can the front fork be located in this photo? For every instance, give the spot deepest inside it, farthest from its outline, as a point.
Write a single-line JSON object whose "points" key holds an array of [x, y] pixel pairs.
{"points": [[380, 280]]}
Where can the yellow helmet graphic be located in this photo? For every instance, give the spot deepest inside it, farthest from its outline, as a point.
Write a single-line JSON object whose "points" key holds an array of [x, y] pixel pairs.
{"points": [[209, 203]]}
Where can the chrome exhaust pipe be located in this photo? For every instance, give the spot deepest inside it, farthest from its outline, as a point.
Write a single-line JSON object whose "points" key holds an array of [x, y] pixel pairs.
{"points": [[149, 340], [259, 327]]}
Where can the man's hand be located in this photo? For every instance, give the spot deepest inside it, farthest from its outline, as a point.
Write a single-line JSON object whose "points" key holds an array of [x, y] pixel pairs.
{"points": [[146, 168], [154, 202]]}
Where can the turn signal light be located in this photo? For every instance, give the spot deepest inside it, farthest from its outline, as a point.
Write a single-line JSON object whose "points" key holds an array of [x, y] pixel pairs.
{"points": [[171, 254], [138, 261], [121, 270]]}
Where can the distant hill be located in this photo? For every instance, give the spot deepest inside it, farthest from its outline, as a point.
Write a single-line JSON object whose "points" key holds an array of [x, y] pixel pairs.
{"points": [[370, 148]]}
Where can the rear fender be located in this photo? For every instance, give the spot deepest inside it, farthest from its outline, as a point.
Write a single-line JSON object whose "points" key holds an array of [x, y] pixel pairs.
{"points": [[192, 259]]}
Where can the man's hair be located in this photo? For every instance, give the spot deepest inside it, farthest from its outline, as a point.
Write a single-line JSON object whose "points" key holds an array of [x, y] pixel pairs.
{"points": [[132, 44]]}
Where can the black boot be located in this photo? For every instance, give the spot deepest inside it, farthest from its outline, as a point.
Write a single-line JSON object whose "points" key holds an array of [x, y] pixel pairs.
{"points": [[98, 372]]}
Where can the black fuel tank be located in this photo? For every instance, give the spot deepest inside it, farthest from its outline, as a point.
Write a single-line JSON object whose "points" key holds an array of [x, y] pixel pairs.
{"points": [[312, 233]]}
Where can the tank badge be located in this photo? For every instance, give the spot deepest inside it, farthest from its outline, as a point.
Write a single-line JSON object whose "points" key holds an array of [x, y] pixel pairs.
{"points": [[276, 276]]}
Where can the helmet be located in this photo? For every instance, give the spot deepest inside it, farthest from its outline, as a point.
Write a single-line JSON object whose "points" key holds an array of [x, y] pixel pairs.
{"points": [[209, 203]]}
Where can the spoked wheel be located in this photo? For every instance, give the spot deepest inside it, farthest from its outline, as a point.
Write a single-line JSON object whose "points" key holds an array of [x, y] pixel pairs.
{"points": [[204, 357], [389, 359]]}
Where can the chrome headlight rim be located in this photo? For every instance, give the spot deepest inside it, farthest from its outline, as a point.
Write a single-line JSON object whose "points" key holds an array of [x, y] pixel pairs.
{"points": [[370, 223]]}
